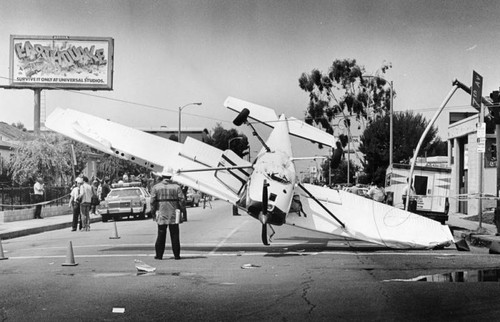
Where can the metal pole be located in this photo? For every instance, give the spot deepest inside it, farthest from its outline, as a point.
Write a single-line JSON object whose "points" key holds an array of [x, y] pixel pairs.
{"points": [[497, 193], [179, 129], [421, 141], [36, 123], [348, 160], [329, 172], [391, 139], [481, 165]]}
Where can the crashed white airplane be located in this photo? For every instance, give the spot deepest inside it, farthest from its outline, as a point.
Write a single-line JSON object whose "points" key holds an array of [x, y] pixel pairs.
{"points": [[266, 189]]}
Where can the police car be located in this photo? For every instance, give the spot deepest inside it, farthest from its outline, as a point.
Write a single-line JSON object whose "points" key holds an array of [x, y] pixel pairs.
{"points": [[192, 198], [128, 199]]}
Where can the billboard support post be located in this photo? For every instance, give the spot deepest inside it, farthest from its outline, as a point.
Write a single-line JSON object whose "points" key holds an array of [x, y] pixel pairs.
{"points": [[36, 124]]}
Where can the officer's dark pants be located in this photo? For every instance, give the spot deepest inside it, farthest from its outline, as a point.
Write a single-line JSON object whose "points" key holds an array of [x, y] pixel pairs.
{"points": [[412, 205], [38, 208], [174, 239], [76, 216]]}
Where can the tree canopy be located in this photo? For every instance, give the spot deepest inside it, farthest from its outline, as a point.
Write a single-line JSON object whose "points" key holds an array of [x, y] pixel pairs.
{"points": [[339, 174], [407, 130], [221, 140], [345, 90], [48, 155]]}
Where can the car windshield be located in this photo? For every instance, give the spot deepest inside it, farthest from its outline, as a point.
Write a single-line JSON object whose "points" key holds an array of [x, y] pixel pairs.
{"points": [[124, 193]]}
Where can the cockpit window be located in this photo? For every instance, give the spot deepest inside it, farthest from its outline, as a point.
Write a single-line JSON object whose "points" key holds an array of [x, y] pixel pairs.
{"points": [[276, 167], [279, 177]]}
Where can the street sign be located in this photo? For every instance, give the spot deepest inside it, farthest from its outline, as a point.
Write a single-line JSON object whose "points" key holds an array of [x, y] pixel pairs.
{"points": [[477, 90], [481, 145], [481, 131]]}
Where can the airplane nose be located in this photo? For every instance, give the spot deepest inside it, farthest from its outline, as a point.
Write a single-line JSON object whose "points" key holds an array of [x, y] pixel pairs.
{"points": [[255, 208]]}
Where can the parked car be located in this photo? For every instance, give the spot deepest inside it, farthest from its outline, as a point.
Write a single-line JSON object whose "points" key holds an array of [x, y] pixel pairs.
{"points": [[358, 190], [126, 200], [192, 197]]}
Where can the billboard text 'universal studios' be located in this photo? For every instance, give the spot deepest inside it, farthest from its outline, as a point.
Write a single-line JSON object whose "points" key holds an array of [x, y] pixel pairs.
{"points": [[62, 62]]}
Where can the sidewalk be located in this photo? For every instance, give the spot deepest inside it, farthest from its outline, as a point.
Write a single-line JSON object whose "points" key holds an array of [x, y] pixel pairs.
{"points": [[35, 226], [461, 228], [469, 230]]}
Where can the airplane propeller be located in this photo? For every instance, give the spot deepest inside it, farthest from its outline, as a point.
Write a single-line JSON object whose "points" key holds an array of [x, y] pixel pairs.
{"points": [[263, 217]]}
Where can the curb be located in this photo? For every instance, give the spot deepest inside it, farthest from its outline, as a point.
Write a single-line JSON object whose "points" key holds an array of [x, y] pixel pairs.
{"points": [[37, 230], [475, 238]]}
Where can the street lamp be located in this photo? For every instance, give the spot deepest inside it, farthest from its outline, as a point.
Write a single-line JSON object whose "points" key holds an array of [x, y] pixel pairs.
{"points": [[180, 110]]}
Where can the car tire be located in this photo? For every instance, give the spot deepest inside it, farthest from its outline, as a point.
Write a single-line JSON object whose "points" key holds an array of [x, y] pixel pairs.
{"points": [[142, 215], [105, 218]]}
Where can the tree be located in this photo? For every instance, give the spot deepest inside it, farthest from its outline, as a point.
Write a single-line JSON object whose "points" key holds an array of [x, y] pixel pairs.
{"points": [[345, 91], [19, 126], [47, 155], [339, 174], [113, 167], [221, 137], [407, 130]]}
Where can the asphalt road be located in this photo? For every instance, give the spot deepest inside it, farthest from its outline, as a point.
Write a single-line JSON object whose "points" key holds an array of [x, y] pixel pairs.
{"points": [[227, 275]]}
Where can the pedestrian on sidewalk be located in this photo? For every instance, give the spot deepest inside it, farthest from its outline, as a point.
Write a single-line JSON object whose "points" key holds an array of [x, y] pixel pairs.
{"points": [[38, 191], [376, 192], [74, 204], [409, 191], [105, 189], [167, 199], [95, 197], [86, 197]]}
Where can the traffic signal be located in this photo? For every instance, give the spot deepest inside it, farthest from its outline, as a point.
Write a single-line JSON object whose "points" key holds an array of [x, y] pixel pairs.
{"points": [[495, 109], [495, 96]]}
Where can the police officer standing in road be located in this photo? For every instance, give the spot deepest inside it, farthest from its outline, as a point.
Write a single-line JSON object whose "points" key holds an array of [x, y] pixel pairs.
{"points": [[167, 204]]}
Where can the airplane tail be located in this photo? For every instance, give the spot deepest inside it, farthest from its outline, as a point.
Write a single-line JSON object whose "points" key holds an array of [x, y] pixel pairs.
{"points": [[268, 117]]}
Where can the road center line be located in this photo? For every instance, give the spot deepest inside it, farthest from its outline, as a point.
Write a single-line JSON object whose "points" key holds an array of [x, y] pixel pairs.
{"points": [[219, 245]]}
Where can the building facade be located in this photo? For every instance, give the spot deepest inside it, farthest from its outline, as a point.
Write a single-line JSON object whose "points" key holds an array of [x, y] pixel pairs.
{"points": [[469, 175]]}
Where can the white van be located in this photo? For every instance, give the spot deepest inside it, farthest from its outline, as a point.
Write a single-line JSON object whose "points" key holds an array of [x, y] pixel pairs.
{"points": [[432, 187]]}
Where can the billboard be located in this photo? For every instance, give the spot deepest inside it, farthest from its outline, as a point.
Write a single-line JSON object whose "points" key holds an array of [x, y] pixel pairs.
{"points": [[61, 62]]}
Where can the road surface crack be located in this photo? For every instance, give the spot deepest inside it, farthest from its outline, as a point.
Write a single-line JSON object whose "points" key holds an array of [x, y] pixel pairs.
{"points": [[306, 286]]}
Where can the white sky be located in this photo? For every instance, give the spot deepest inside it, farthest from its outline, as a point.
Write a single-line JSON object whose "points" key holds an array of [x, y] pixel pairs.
{"points": [[170, 53]]}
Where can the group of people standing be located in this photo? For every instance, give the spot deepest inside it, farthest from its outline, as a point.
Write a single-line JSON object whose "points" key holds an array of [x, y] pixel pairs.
{"points": [[84, 199], [168, 206]]}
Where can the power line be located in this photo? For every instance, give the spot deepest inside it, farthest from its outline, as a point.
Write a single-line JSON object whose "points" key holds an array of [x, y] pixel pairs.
{"points": [[165, 109]]}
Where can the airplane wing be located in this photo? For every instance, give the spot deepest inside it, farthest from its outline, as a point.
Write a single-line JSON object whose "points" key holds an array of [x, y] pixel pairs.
{"points": [[364, 219], [192, 163], [268, 116]]}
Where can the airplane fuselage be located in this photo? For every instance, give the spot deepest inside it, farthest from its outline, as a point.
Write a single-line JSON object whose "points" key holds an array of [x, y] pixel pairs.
{"points": [[274, 169], [277, 171]]}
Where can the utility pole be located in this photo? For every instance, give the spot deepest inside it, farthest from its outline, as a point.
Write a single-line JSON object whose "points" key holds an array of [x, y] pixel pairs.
{"points": [[476, 102], [495, 97]]}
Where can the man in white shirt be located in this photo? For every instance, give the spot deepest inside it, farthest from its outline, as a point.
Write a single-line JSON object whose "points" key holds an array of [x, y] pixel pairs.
{"points": [[376, 193], [38, 190], [410, 192], [75, 204]]}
